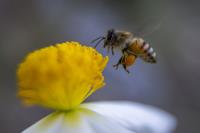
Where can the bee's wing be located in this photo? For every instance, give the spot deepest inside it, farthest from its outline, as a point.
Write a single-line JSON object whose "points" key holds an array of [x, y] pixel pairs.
{"points": [[148, 27]]}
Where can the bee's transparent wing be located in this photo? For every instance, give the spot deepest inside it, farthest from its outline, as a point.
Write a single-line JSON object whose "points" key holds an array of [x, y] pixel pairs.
{"points": [[148, 26]]}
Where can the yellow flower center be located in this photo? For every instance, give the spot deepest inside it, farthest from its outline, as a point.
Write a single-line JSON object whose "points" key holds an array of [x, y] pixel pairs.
{"points": [[61, 76]]}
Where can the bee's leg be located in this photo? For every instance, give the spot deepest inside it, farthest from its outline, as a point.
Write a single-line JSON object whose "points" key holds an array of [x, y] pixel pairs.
{"points": [[112, 48], [124, 50], [118, 63], [108, 49], [125, 68]]}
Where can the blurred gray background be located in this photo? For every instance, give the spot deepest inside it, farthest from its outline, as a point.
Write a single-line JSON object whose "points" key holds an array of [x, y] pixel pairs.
{"points": [[172, 84]]}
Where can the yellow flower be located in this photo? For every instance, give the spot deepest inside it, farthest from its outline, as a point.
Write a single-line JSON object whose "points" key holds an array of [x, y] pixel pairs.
{"points": [[60, 76]]}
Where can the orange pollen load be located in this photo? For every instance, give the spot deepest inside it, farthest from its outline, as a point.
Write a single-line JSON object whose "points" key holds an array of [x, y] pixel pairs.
{"points": [[129, 60]]}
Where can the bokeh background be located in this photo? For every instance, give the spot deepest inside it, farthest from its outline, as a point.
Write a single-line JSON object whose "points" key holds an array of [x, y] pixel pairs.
{"points": [[172, 84]]}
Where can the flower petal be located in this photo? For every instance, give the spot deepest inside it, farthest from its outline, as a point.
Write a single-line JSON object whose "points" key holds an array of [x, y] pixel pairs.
{"points": [[76, 121], [135, 117]]}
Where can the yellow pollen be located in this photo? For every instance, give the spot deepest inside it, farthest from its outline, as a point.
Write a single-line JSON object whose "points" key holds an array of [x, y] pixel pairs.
{"points": [[60, 76]]}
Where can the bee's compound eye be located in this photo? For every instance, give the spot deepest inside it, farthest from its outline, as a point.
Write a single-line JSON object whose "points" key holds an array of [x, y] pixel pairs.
{"points": [[110, 34]]}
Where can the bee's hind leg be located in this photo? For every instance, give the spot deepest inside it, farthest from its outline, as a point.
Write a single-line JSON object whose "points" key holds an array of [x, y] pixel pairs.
{"points": [[118, 63], [125, 68]]}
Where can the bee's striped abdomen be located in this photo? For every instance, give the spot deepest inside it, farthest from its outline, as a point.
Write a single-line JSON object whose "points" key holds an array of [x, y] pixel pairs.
{"points": [[149, 55]]}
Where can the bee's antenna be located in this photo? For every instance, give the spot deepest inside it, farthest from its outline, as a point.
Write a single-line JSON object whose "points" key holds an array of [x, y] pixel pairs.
{"points": [[98, 38]]}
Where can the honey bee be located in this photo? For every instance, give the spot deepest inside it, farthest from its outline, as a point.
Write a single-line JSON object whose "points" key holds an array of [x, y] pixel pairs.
{"points": [[131, 47]]}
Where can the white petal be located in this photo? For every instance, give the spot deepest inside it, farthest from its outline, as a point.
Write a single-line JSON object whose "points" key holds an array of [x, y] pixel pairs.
{"points": [[76, 121], [135, 117]]}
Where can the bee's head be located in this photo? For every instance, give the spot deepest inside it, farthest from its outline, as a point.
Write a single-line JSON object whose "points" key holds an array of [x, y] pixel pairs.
{"points": [[110, 38]]}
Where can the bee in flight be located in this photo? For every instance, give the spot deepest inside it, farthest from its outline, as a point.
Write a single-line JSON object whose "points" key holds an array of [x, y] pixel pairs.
{"points": [[131, 47]]}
